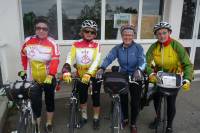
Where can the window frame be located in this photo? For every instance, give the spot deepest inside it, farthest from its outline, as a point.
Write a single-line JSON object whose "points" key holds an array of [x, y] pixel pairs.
{"points": [[103, 15]]}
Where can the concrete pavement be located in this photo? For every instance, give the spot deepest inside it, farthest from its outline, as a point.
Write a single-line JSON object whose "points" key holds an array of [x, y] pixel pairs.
{"points": [[187, 117]]}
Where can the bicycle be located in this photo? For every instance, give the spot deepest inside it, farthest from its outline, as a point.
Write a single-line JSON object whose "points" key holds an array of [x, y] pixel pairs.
{"points": [[20, 92], [168, 84], [145, 93], [116, 83], [74, 111]]}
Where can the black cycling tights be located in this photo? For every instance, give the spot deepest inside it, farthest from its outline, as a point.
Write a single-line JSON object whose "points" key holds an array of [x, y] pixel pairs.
{"points": [[171, 107], [83, 92], [135, 93], [36, 98]]}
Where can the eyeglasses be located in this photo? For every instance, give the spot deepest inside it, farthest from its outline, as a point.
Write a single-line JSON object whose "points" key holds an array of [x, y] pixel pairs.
{"points": [[89, 31], [162, 33], [42, 28]]}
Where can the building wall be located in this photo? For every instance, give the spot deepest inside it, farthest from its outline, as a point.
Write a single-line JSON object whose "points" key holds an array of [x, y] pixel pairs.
{"points": [[11, 35]]}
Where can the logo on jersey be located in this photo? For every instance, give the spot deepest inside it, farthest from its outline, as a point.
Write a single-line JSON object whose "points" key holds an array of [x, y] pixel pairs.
{"points": [[85, 58]]}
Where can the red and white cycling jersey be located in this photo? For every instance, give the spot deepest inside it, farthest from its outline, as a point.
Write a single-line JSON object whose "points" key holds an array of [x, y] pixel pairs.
{"points": [[40, 57]]}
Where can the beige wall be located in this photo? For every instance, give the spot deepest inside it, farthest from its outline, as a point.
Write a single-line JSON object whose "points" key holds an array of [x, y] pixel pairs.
{"points": [[10, 35]]}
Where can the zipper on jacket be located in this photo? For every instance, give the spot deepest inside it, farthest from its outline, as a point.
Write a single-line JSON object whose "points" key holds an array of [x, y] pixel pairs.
{"points": [[127, 60], [162, 52]]}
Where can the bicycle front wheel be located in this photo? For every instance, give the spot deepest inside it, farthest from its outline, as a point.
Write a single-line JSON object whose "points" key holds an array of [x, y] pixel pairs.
{"points": [[28, 124], [116, 118], [161, 128], [25, 123], [72, 116]]}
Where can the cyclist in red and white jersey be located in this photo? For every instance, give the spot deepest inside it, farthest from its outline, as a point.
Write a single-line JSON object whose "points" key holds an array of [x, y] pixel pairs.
{"points": [[40, 59]]}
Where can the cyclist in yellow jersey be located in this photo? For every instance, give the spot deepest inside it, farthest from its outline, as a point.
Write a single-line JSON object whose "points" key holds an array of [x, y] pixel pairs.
{"points": [[86, 53], [167, 55]]}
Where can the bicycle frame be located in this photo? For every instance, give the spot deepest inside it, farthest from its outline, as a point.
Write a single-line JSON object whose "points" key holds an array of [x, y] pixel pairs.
{"points": [[25, 124], [162, 107], [116, 124], [26, 117]]}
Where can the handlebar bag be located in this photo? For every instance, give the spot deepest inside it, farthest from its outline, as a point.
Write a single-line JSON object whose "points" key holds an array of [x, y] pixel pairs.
{"points": [[116, 82], [21, 90]]}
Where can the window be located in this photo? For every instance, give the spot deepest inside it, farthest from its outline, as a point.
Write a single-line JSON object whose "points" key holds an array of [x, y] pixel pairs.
{"points": [[116, 7], [34, 8], [74, 12], [152, 12], [197, 59], [188, 49], [1, 79], [188, 16], [199, 32]]}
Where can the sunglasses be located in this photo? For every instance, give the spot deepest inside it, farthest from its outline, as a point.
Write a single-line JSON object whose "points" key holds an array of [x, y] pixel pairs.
{"points": [[42, 28], [162, 33], [89, 31]]}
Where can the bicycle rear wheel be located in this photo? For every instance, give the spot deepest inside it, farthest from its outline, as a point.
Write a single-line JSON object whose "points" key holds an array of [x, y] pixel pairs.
{"points": [[161, 128], [72, 117], [116, 118]]}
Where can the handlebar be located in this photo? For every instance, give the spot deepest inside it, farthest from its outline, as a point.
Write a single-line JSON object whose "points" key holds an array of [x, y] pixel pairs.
{"points": [[131, 80], [2, 89]]}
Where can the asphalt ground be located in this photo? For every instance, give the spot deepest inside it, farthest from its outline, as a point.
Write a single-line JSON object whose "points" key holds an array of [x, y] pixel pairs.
{"points": [[187, 119]]}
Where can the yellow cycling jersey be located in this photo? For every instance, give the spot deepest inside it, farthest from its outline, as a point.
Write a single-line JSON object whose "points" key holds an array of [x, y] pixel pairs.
{"points": [[86, 55]]}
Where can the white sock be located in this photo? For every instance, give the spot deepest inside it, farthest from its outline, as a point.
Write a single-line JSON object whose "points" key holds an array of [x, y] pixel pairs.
{"points": [[96, 116], [84, 113]]}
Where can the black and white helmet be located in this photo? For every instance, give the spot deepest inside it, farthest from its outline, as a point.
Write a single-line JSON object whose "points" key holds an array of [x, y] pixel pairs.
{"points": [[89, 24], [162, 25]]}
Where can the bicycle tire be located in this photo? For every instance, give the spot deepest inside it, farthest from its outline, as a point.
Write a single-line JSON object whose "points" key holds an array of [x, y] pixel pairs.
{"points": [[29, 125], [165, 115], [161, 128], [116, 118], [72, 117], [21, 128]]}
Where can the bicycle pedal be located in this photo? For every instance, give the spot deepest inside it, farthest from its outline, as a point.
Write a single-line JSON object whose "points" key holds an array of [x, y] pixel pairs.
{"points": [[78, 126], [67, 125], [107, 118]]}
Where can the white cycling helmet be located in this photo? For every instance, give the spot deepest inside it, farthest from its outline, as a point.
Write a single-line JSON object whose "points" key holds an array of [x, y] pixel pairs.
{"points": [[162, 25], [127, 27], [89, 24]]}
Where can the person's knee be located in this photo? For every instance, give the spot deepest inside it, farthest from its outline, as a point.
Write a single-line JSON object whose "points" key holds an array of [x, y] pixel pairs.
{"points": [[37, 107], [50, 108], [96, 101], [36, 114], [49, 101], [83, 97]]}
